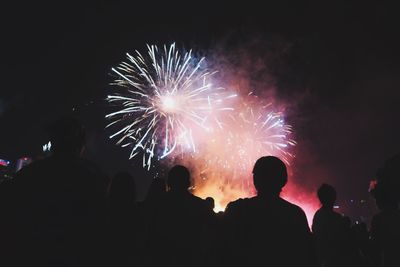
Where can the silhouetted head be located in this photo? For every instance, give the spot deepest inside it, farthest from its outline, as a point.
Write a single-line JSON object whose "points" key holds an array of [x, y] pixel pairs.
{"points": [[122, 189], [327, 195], [67, 136], [210, 203], [269, 175], [179, 178]]}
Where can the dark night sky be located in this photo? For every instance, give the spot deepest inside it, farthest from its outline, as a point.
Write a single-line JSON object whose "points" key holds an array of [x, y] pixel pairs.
{"points": [[337, 62]]}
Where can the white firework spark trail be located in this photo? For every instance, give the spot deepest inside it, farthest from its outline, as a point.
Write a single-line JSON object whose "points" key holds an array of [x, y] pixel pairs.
{"points": [[164, 97]]}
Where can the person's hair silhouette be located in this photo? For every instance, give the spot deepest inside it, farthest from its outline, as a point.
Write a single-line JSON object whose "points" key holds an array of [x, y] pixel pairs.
{"points": [[327, 195], [178, 179], [269, 175]]}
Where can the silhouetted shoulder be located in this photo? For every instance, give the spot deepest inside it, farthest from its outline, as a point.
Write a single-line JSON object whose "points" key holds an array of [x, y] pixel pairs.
{"points": [[237, 208], [52, 170], [52, 163], [294, 213], [238, 204], [198, 202], [198, 199], [292, 207]]}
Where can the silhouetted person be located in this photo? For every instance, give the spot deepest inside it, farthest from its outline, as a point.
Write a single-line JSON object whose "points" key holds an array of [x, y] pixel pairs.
{"points": [[210, 203], [179, 229], [147, 217], [148, 208], [385, 228], [266, 230], [59, 204], [214, 235], [122, 220], [331, 231]]}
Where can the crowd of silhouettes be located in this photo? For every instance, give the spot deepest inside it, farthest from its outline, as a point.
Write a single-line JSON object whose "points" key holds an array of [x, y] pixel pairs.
{"points": [[63, 211]]}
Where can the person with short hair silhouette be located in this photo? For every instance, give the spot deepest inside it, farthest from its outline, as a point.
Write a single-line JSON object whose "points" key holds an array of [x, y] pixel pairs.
{"points": [[331, 231], [267, 230], [178, 179], [60, 204], [179, 228], [210, 202]]}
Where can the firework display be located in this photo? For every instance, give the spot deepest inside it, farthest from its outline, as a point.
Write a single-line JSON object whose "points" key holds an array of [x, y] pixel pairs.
{"points": [[166, 107]]}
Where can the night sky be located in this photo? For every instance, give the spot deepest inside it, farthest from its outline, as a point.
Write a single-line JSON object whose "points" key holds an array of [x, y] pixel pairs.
{"points": [[336, 65]]}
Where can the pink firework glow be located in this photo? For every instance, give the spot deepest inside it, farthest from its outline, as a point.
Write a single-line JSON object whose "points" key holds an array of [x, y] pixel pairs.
{"points": [[222, 168], [167, 107]]}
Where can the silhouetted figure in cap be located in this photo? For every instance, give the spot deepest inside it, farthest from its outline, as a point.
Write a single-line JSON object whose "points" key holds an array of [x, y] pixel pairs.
{"points": [[266, 230], [179, 229], [59, 204], [331, 231]]}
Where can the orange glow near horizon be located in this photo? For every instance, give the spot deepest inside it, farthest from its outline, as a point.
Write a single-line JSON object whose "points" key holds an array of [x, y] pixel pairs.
{"points": [[222, 195]]}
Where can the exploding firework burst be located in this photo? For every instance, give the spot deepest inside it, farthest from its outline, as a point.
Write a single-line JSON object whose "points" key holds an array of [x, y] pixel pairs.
{"points": [[165, 96], [254, 130], [166, 105], [224, 164]]}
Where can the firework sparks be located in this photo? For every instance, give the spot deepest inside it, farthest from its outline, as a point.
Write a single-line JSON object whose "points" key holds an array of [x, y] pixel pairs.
{"points": [[165, 97], [224, 165], [166, 105]]}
